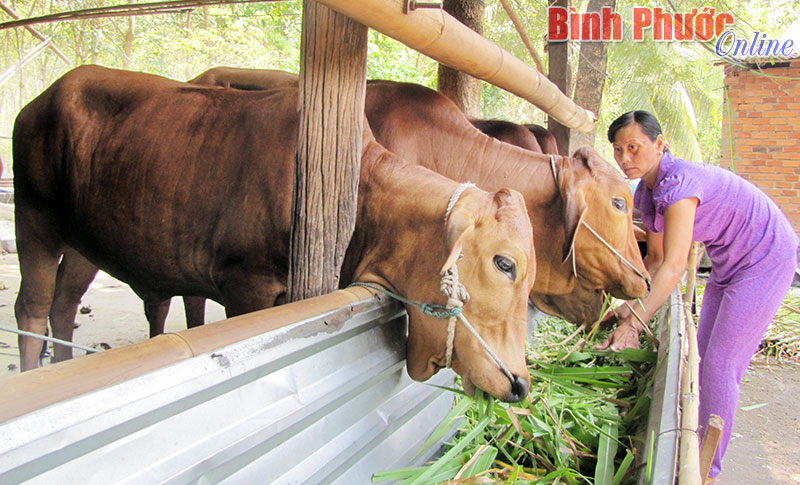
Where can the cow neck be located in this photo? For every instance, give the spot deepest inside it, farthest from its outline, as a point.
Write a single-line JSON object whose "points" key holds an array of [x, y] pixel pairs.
{"points": [[399, 200], [496, 165], [472, 155]]}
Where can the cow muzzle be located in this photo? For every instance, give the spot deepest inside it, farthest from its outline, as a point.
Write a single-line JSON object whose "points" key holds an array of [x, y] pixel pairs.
{"points": [[518, 389]]}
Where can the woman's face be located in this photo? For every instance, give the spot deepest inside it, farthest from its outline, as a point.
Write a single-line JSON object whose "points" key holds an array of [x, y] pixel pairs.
{"points": [[636, 154]]}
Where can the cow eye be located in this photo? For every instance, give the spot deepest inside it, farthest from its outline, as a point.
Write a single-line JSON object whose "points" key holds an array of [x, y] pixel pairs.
{"points": [[506, 266], [620, 204]]}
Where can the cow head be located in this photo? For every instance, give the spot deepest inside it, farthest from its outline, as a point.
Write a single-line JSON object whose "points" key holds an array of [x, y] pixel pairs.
{"points": [[597, 204], [489, 241], [486, 237]]}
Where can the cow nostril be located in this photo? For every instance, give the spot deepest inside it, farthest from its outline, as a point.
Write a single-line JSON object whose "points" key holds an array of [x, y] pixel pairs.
{"points": [[519, 389]]}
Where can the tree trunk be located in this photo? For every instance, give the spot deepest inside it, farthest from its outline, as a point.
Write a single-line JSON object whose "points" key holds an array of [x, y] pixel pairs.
{"points": [[334, 50], [559, 73], [462, 88], [591, 77], [127, 54]]}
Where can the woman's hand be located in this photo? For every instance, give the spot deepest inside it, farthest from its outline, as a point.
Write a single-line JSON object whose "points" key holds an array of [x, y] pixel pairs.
{"points": [[626, 335]]}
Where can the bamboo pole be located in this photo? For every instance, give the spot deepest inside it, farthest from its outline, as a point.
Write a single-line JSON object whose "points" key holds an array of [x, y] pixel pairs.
{"points": [[710, 443], [444, 39], [10, 11], [689, 462], [691, 276]]}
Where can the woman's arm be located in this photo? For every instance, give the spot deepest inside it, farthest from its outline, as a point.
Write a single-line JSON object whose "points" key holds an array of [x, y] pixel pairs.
{"points": [[676, 242], [655, 252]]}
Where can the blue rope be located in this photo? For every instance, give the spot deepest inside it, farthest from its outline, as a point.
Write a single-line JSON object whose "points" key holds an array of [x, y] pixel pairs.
{"points": [[430, 309]]}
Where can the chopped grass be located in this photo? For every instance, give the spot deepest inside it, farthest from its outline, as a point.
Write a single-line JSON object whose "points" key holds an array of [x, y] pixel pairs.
{"points": [[578, 424]]}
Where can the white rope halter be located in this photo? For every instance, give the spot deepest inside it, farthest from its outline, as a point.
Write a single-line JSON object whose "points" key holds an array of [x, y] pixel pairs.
{"points": [[595, 233], [457, 295]]}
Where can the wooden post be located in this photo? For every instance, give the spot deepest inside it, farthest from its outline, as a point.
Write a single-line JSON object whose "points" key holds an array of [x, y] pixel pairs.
{"points": [[708, 448], [462, 88], [559, 74], [331, 107]]}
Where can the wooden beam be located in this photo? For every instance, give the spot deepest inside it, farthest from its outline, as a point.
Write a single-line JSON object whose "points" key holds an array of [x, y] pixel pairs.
{"points": [[708, 447], [331, 105], [124, 10], [590, 78]]}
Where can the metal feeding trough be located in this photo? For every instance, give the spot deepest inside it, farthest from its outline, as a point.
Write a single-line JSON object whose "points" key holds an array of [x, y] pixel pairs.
{"points": [[324, 398]]}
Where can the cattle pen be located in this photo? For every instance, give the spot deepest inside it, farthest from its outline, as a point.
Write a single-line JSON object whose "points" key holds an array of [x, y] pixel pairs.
{"points": [[314, 391]]}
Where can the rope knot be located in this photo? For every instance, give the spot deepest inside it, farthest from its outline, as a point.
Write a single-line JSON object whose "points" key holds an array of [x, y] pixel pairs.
{"points": [[452, 288]]}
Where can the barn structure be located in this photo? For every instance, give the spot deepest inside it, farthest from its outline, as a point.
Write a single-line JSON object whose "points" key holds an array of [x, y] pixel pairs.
{"points": [[759, 129], [274, 381]]}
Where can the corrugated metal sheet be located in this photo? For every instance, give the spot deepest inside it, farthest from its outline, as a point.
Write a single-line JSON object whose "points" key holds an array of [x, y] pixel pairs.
{"points": [[300, 404]]}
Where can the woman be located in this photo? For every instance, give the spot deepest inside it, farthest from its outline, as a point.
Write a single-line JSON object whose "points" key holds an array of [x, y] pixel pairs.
{"points": [[751, 244]]}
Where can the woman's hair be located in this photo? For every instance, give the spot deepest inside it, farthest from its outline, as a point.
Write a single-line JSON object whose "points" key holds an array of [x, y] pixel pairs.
{"points": [[647, 122]]}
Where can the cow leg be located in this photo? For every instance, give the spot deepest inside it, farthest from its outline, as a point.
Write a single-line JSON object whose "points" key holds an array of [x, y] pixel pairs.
{"points": [[75, 274], [250, 293], [156, 314], [195, 309], [39, 252]]}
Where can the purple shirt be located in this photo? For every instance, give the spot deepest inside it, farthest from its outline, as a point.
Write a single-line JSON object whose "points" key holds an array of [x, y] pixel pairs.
{"points": [[741, 227]]}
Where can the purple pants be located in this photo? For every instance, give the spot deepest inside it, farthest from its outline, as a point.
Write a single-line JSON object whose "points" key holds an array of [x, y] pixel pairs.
{"points": [[733, 320]]}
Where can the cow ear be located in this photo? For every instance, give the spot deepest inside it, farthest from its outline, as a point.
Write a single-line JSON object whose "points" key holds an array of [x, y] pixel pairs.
{"points": [[574, 204], [590, 158], [460, 225]]}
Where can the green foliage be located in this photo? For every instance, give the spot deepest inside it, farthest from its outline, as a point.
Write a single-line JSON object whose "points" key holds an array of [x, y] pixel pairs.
{"points": [[679, 81]]}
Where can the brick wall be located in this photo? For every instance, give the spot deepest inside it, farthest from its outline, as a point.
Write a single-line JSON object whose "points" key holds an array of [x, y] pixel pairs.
{"points": [[761, 127]]}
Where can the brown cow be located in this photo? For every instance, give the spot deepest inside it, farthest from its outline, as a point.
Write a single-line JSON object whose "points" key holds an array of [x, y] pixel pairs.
{"points": [[425, 127], [510, 133], [546, 140], [582, 305], [445, 147], [566, 200], [178, 189]]}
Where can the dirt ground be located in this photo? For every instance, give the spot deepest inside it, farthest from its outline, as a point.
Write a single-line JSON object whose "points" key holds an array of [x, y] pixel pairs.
{"points": [[765, 445], [764, 448], [113, 316]]}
